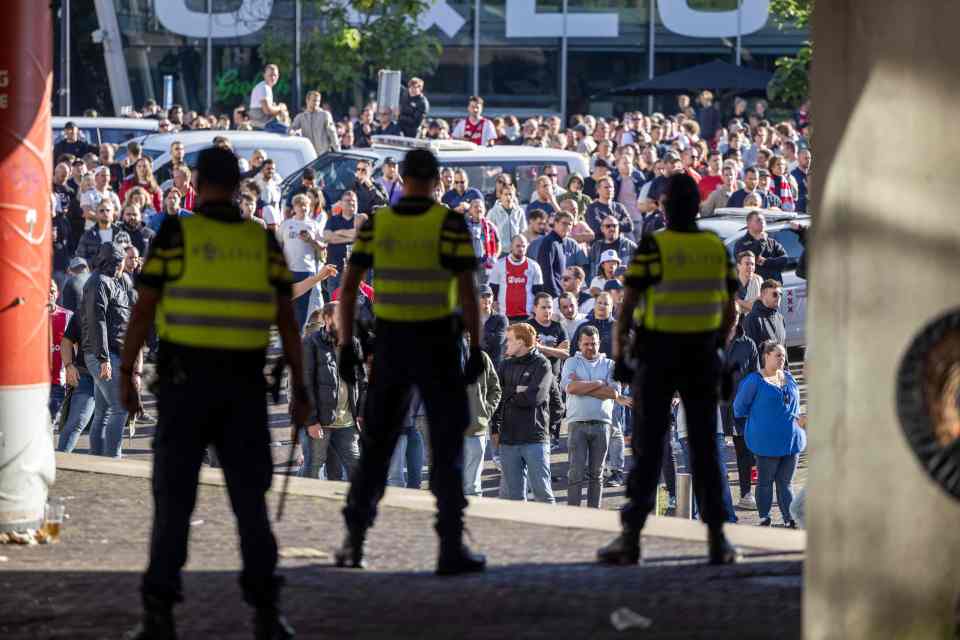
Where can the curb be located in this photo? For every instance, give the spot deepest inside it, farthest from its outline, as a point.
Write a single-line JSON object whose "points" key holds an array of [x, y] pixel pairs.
{"points": [[766, 539]]}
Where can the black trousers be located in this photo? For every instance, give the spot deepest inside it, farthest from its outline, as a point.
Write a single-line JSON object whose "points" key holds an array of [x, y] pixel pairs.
{"points": [[425, 355], [745, 463], [232, 416], [688, 364]]}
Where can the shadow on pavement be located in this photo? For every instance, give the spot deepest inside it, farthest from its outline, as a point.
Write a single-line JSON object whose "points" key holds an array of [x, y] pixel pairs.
{"points": [[549, 600]]}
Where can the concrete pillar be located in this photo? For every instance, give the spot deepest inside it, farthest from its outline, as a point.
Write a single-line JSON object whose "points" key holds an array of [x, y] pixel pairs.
{"points": [[883, 556]]}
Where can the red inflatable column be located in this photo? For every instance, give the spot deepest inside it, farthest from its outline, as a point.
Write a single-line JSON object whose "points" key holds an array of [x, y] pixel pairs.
{"points": [[26, 80]]}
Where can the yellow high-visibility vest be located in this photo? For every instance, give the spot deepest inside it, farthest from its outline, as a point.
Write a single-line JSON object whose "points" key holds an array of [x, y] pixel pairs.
{"points": [[410, 283], [223, 299], [690, 296]]}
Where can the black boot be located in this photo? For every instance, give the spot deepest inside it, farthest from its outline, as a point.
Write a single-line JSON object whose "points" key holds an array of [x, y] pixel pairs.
{"points": [[721, 551], [350, 554], [623, 550], [268, 624], [456, 557], [157, 623]]}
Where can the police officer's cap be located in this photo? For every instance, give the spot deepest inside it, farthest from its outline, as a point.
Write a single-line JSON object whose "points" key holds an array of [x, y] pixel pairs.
{"points": [[420, 164]]}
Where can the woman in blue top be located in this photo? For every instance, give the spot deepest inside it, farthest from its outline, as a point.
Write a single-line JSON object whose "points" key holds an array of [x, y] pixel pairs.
{"points": [[770, 401]]}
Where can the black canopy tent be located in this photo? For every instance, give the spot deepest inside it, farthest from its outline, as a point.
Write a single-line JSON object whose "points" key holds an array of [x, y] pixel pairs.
{"points": [[717, 75]]}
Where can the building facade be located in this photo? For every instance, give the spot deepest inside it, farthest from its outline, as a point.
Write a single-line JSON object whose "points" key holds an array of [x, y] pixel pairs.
{"points": [[520, 45]]}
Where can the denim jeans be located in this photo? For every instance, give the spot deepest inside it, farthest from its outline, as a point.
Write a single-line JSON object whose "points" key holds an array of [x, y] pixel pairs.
{"points": [[302, 304], [406, 465], [338, 448], [777, 471], [82, 403], [109, 416], [587, 443], [729, 512], [537, 458], [57, 393], [615, 459], [474, 448]]}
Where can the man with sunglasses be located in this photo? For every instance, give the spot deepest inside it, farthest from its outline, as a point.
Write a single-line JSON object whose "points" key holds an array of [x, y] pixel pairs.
{"points": [[765, 322], [462, 194], [105, 230], [370, 195]]}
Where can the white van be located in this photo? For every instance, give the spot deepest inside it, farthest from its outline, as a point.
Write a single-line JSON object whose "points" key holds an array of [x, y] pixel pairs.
{"points": [[100, 130], [482, 164]]}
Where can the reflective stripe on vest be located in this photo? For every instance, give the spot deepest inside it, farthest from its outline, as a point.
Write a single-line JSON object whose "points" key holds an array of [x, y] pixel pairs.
{"points": [[410, 282], [691, 295], [223, 299]]}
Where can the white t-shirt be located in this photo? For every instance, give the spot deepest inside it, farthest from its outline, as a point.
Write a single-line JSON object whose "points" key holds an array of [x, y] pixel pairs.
{"points": [[516, 282], [299, 254], [106, 235], [261, 91]]}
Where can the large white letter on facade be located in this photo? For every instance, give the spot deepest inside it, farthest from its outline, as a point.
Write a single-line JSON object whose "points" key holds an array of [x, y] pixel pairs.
{"points": [[249, 18], [681, 19], [523, 21]]}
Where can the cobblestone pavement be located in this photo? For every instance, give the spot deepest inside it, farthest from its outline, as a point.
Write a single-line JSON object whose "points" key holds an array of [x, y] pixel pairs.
{"points": [[139, 448], [541, 582]]}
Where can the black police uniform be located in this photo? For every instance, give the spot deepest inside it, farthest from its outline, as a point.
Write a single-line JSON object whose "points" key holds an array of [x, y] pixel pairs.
{"points": [[211, 396]]}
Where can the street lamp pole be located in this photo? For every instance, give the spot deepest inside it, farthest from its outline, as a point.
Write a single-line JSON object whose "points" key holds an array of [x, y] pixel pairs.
{"points": [[651, 51], [65, 57], [563, 69], [297, 44], [209, 55], [476, 48]]}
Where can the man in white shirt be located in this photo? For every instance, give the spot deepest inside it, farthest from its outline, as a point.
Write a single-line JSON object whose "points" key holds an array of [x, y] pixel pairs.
{"points": [[298, 236], [262, 108], [515, 280], [508, 217]]}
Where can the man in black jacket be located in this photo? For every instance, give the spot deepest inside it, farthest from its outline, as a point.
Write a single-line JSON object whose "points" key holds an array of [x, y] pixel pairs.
{"points": [[370, 195], [333, 427], [741, 360], [765, 322], [72, 143], [771, 256], [522, 422], [105, 314], [494, 326], [105, 231], [414, 107], [140, 234]]}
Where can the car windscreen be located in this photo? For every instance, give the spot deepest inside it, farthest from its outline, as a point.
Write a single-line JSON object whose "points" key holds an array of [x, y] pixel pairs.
{"points": [[119, 136], [335, 173], [287, 161], [791, 243]]}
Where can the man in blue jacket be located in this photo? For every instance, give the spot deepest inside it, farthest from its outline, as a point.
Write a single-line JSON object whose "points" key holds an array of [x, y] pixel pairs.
{"points": [[772, 258]]}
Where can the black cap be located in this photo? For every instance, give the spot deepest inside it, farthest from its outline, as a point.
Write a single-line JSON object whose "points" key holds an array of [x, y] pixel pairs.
{"points": [[484, 290], [70, 125], [309, 174], [434, 124], [390, 160], [420, 164], [109, 256]]}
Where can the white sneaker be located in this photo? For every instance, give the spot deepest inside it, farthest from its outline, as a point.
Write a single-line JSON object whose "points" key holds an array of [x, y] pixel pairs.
{"points": [[747, 503]]}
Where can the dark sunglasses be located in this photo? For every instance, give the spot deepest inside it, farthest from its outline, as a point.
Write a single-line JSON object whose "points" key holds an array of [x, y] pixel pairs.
{"points": [[609, 226], [459, 182]]}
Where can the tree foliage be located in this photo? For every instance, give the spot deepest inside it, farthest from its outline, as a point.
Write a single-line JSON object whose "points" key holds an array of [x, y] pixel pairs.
{"points": [[791, 82], [353, 40]]}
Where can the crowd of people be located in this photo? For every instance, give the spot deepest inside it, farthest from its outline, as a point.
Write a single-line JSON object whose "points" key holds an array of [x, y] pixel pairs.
{"points": [[550, 282]]}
